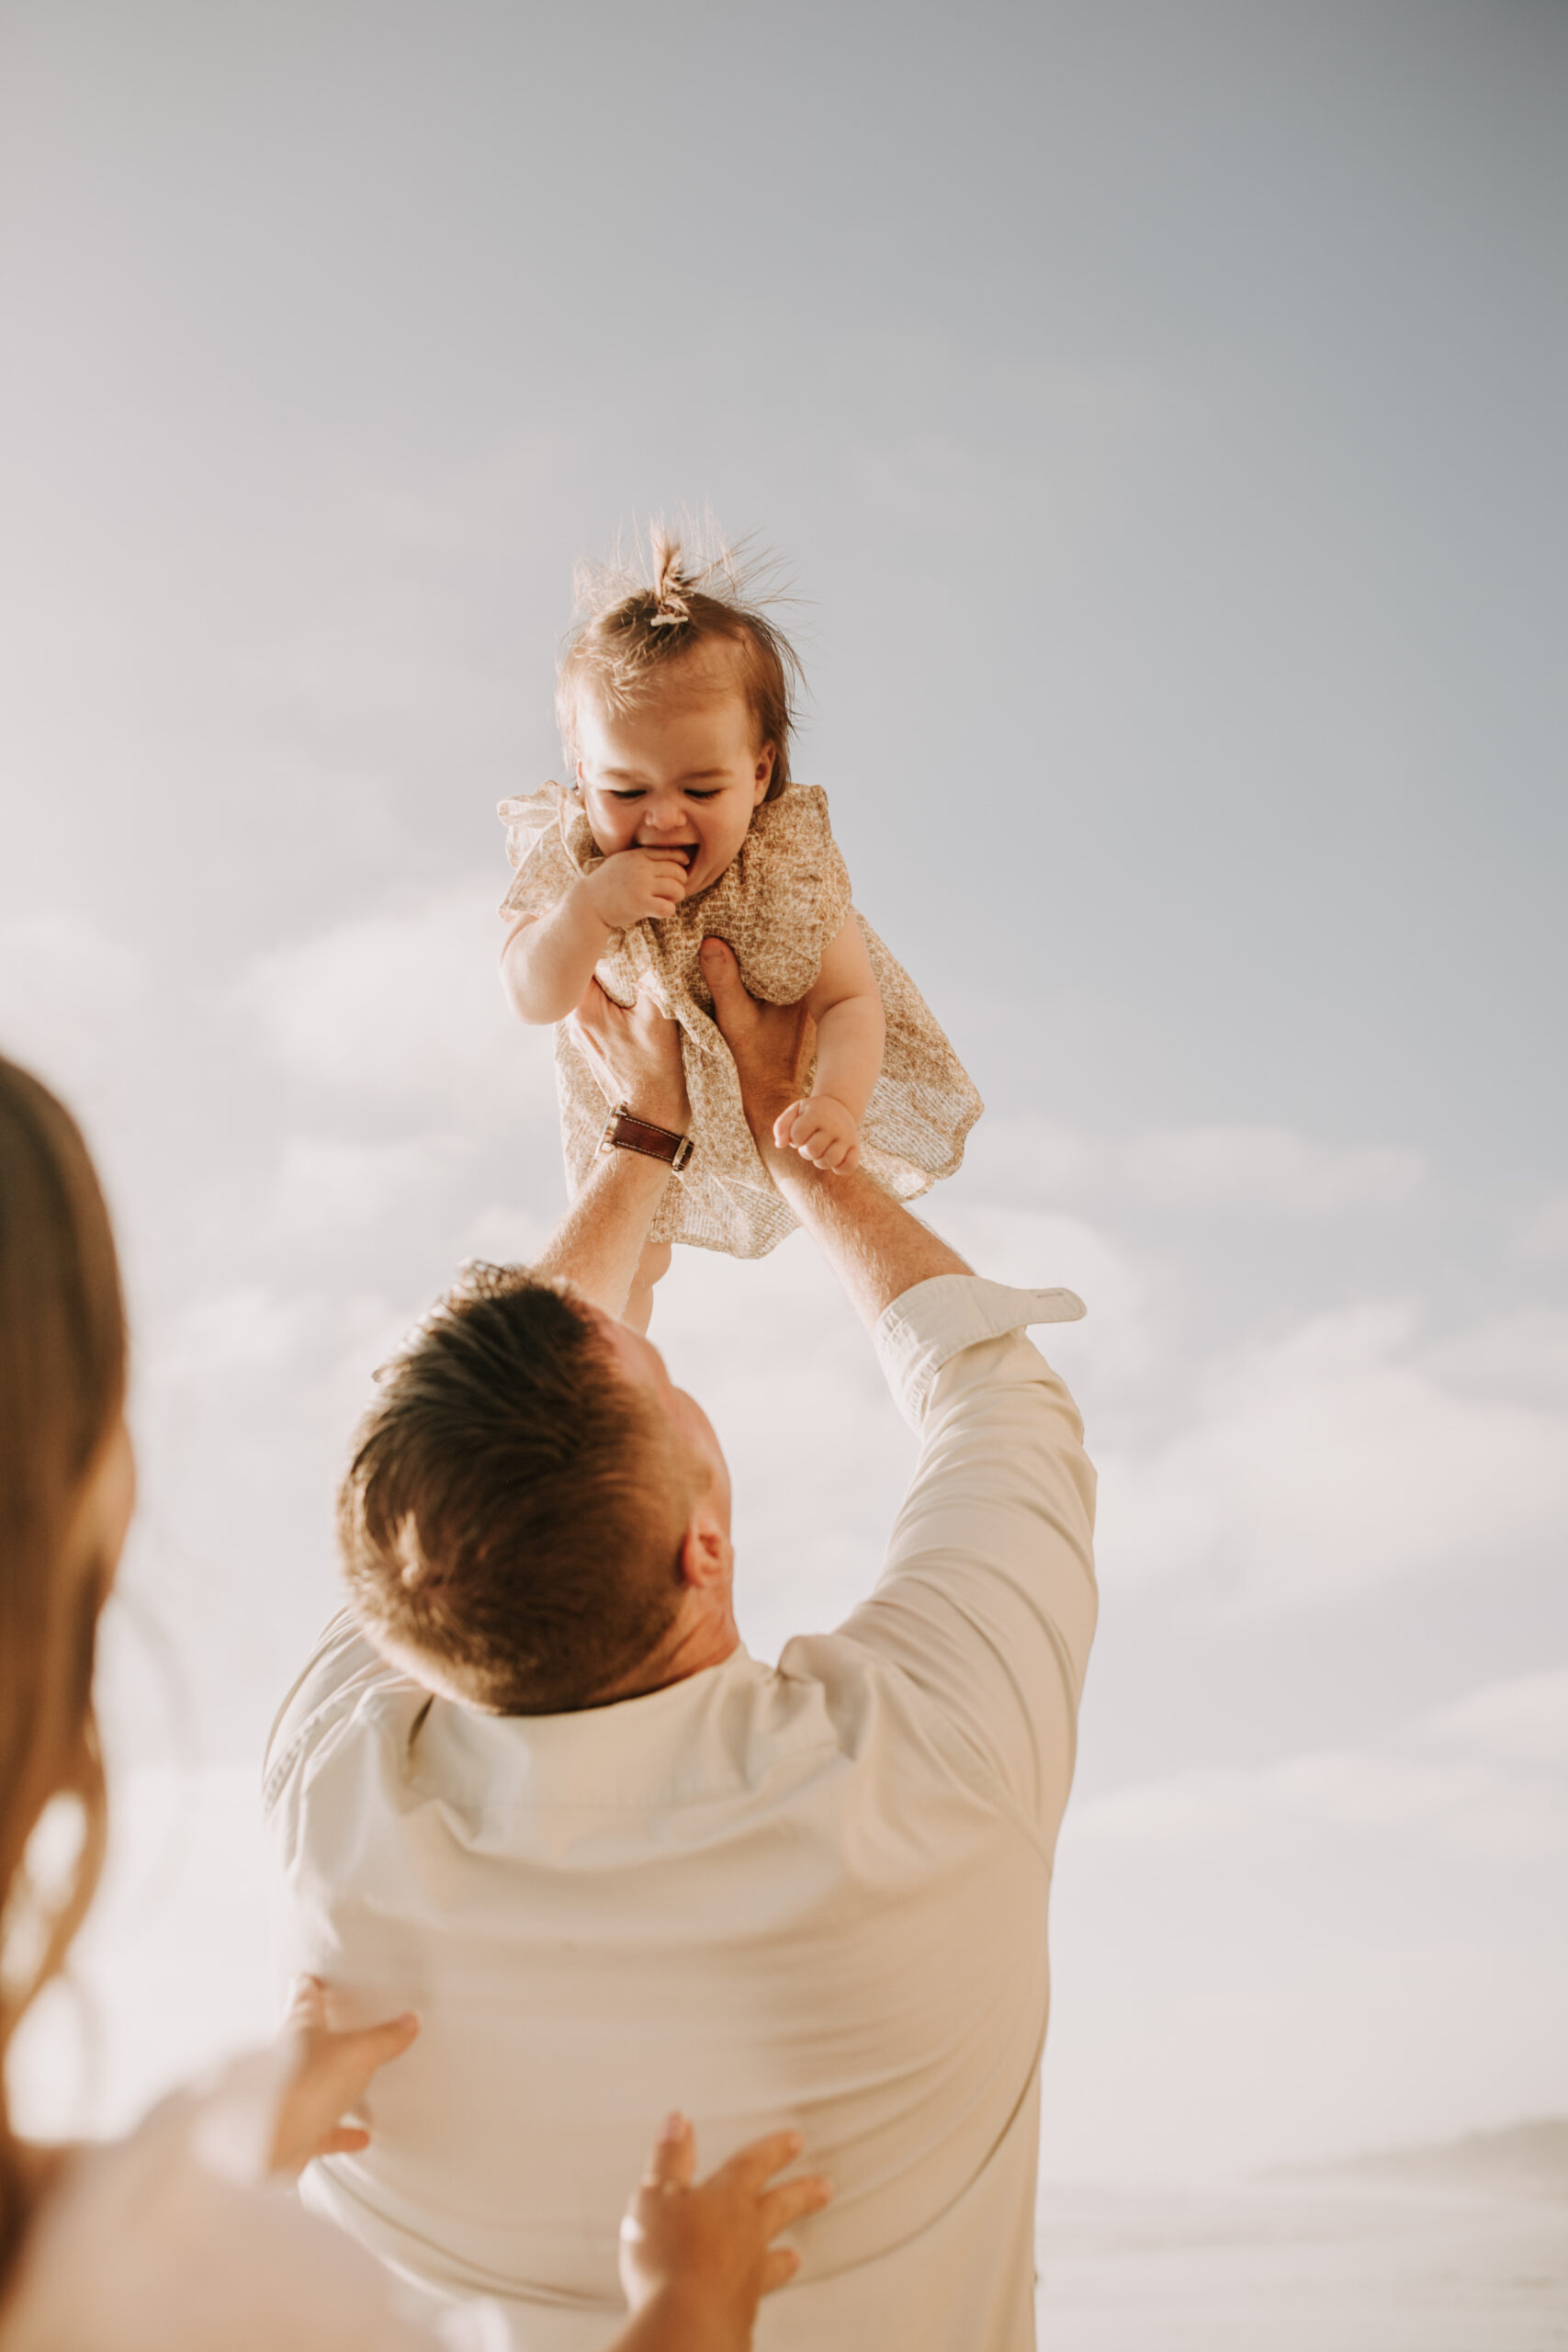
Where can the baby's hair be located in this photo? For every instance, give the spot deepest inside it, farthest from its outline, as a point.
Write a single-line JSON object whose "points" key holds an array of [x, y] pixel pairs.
{"points": [[637, 618]]}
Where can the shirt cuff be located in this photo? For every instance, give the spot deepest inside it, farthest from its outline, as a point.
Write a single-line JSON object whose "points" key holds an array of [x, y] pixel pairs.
{"points": [[928, 1325]]}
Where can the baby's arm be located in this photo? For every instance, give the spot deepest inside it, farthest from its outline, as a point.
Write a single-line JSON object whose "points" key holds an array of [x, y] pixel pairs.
{"points": [[548, 960], [846, 1005]]}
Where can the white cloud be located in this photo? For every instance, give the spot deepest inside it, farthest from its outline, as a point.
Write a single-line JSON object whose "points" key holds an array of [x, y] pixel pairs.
{"points": [[403, 1009], [248, 1328], [59, 951], [74, 1004], [1332, 1458], [326, 1184], [1523, 1720], [1269, 1170], [1272, 1168], [507, 1234], [1488, 1775], [1521, 1353]]}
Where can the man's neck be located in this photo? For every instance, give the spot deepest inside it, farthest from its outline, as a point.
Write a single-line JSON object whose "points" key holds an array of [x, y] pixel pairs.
{"points": [[701, 1635]]}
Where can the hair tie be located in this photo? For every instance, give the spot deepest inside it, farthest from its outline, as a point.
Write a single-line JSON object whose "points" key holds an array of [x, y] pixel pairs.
{"points": [[672, 606]]}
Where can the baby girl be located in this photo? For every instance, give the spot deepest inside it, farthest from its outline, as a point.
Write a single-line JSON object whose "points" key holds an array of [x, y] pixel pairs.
{"points": [[682, 824]]}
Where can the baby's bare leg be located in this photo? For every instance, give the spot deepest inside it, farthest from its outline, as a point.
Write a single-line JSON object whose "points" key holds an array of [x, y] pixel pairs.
{"points": [[653, 1264]]}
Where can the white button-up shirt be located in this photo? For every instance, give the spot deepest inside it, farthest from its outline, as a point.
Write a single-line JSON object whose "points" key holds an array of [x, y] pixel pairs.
{"points": [[812, 1894]]}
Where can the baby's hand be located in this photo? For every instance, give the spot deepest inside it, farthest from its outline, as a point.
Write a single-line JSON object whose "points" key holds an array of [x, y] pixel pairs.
{"points": [[700, 2253], [823, 1131], [636, 883]]}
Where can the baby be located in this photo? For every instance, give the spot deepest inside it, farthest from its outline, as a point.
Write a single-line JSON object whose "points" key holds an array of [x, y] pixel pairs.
{"points": [[682, 824]]}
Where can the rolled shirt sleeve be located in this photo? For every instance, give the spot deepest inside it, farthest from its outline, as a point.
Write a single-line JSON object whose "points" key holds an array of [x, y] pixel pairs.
{"points": [[986, 1598]]}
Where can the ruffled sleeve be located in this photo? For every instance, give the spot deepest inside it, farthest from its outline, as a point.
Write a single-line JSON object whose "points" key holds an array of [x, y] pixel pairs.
{"points": [[537, 829], [793, 896], [780, 905]]}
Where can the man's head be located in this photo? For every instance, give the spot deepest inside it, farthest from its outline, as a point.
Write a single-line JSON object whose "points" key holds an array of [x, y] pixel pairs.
{"points": [[535, 1519]]}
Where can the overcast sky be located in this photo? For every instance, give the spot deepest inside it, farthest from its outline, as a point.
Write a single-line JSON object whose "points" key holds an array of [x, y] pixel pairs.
{"points": [[1160, 413]]}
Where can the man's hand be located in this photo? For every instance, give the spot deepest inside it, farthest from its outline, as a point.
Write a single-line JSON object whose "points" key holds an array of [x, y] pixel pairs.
{"points": [[635, 883], [636, 1059], [772, 1043], [823, 1131], [329, 2080], [635, 1056], [701, 2253]]}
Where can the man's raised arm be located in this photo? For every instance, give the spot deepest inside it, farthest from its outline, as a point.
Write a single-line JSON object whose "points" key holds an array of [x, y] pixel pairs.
{"points": [[987, 1600], [636, 1056], [876, 1249]]}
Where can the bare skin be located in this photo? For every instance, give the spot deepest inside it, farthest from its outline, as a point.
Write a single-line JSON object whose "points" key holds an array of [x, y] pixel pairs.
{"points": [[636, 1057], [876, 1249]]}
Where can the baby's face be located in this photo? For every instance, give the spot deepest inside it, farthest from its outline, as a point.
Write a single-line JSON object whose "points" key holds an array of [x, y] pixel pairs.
{"points": [[683, 772]]}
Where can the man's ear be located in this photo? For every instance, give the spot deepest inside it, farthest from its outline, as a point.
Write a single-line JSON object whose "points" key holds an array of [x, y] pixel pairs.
{"points": [[707, 1555]]}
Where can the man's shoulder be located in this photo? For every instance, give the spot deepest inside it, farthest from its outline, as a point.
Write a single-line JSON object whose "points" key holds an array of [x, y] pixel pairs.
{"points": [[342, 1672]]}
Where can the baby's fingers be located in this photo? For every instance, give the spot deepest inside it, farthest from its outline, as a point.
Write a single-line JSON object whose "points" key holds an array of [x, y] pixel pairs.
{"points": [[784, 1126]]}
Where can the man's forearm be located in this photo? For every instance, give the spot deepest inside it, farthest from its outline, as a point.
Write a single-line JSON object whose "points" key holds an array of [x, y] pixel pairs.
{"points": [[876, 1249], [597, 1244], [873, 1245]]}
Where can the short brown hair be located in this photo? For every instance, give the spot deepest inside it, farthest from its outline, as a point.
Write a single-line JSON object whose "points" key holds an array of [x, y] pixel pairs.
{"points": [[62, 1359], [513, 1508], [636, 624]]}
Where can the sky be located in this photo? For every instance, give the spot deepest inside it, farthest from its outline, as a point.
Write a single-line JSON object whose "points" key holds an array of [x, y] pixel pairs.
{"points": [[1158, 412]]}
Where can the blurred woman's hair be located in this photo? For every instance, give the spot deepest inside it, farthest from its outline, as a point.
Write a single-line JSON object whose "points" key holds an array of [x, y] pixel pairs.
{"points": [[63, 1364], [639, 620]]}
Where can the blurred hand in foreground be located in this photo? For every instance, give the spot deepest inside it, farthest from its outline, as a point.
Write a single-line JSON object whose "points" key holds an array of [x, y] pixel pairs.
{"points": [[332, 2077]]}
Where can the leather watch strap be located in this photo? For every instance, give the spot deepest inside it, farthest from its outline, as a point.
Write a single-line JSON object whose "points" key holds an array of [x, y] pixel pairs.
{"points": [[624, 1132]]}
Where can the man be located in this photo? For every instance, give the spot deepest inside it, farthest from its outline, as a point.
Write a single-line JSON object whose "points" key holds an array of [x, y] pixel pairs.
{"points": [[533, 1785]]}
